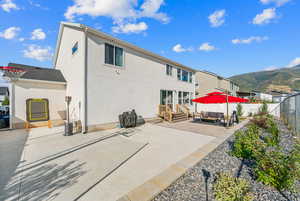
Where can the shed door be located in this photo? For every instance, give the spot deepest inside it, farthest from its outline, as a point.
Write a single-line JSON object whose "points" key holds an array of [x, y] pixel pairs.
{"points": [[37, 110]]}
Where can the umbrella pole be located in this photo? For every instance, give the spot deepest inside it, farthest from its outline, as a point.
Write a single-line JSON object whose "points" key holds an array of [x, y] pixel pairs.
{"points": [[227, 123]]}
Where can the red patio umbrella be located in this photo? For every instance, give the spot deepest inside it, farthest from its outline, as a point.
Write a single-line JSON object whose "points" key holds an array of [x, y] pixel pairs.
{"points": [[220, 97]]}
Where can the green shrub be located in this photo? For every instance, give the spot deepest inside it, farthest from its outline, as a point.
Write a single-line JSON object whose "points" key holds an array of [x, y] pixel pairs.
{"points": [[247, 144], [273, 139], [229, 188], [279, 170], [239, 110], [264, 108]]}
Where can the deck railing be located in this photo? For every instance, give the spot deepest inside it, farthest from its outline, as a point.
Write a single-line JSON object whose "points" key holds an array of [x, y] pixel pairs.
{"points": [[184, 109], [166, 112]]}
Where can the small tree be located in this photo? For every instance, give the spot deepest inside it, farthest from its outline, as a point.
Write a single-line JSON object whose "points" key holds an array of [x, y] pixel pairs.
{"points": [[264, 108], [239, 110], [6, 101]]}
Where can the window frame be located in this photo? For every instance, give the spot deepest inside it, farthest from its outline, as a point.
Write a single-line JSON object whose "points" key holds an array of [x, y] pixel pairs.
{"points": [[114, 56], [74, 50], [169, 70], [190, 77], [179, 72]]}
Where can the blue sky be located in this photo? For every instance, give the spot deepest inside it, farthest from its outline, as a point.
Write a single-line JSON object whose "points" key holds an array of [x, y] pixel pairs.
{"points": [[227, 37]]}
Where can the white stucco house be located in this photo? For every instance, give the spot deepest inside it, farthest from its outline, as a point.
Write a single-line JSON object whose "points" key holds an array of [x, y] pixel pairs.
{"points": [[106, 76]]}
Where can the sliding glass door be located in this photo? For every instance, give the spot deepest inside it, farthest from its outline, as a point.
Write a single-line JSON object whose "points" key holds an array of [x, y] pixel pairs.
{"points": [[166, 98]]}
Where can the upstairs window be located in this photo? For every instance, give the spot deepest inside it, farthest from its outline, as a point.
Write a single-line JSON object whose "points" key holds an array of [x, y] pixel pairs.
{"points": [[178, 74], [169, 70], [118, 56], [190, 77], [114, 55], [185, 76], [74, 48]]}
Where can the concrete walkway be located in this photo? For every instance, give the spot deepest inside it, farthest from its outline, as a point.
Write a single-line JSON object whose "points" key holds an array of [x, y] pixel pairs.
{"points": [[12, 144], [56, 167], [203, 128]]}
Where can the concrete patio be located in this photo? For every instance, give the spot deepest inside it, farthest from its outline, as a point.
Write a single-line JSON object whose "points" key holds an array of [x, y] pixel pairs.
{"points": [[203, 128], [105, 165]]}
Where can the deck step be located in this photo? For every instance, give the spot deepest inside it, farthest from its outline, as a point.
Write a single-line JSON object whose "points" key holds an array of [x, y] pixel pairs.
{"points": [[178, 117]]}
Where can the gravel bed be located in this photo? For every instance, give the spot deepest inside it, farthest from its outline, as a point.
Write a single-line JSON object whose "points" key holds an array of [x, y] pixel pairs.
{"points": [[192, 185]]}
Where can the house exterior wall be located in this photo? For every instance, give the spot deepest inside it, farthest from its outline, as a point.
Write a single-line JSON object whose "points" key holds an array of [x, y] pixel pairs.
{"points": [[72, 67], [225, 84], [24, 90], [206, 83], [113, 90]]}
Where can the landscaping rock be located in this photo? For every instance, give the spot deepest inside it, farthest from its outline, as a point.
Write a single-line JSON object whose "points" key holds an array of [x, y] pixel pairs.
{"points": [[192, 185]]}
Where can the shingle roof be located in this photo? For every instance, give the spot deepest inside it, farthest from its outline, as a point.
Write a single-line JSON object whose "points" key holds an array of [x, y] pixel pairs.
{"points": [[38, 73]]}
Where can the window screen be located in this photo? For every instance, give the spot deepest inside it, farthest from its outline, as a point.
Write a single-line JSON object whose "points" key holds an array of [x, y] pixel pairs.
{"points": [[185, 76], [118, 56], [109, 54], [179, 74]]}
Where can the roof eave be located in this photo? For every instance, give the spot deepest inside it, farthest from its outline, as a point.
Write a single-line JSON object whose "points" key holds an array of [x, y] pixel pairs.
{"points": [[42, 81], [115, 40]]}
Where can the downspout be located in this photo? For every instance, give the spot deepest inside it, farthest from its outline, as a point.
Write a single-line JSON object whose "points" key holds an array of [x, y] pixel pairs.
{"points": [[84, 100]]}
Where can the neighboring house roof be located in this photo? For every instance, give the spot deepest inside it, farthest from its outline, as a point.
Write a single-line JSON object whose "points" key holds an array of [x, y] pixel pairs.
{"points": [[38, 73], [3, 91], [114, 40]]}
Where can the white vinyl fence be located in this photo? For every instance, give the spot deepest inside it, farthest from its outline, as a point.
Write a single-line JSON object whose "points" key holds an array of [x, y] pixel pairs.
{"points": [[274, 108]]}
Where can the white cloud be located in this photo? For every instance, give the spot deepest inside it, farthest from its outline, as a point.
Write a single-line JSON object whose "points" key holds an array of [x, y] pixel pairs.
{"points": [[38, 53], [8, 5], [217, 18], [10, 33], [207, 47], [33, 3], [178, 48], [123, 10], [265, 17], [271, 68], [277, 2], [38, 34], [130, 28], [295, 62], [21, 39], [249, 40]]}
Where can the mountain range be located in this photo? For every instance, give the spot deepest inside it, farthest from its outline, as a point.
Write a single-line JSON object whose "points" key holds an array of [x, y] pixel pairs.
{"points": [[283, 79]]}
